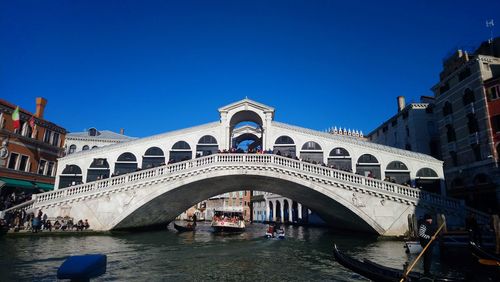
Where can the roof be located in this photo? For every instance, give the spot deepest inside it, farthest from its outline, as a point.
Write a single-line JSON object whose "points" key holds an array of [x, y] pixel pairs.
{"points": [[104, 134], [28, 113], [247, 102]]}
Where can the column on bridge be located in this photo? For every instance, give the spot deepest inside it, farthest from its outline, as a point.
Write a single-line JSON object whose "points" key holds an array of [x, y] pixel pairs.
{"points": [[274, 211], [266, 216], [290, 215], [299, 207], [282, 211]]}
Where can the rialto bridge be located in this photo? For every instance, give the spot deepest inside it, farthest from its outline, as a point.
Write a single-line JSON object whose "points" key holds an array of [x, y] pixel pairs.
{"points": [[149, 181]]}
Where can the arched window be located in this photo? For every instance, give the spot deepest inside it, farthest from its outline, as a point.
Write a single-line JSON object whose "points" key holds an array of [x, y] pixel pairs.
{"points": [[85, 148], [312, 152], [426, 172], [99, 169], [72, 149], [207, 145], [369, 166], [153, 157], [397, 172], [339, 158], [181, 151], [71, 175], [93, 132], [468, 97], [126, 162], [396, 165], [450, 133], [447, 108], [95, 146], [285, 146]]}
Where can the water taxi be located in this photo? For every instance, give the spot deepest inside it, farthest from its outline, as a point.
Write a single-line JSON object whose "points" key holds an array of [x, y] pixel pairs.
{"points": [[228, 220]]}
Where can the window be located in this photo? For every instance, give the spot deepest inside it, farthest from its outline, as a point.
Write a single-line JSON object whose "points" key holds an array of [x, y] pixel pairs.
{"points": [[477, 151], [24, 164], [493, 93], [47, 136], [472, 123], [13, 160], [405, 114], [450, 133], [495, 122], [72, 149], [447, 109], [464, 74], [454, 158], [468, 97], [407, 131], [55, 139], [41, 166], [445, 87], [394, 122], [85, 148], [385, 128], [50, 169], [2, 121]]}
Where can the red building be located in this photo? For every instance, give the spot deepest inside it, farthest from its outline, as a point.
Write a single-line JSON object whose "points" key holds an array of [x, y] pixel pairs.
{"points": [[28, 154]]}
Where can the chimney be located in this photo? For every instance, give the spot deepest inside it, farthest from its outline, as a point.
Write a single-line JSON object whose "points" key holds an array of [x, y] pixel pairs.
{"points": [[122, 131], [401, 103], [40, 107]]}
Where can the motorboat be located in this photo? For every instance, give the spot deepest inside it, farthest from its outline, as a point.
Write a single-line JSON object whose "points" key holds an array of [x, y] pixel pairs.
{"points": [[228, 220], [273, 232]]}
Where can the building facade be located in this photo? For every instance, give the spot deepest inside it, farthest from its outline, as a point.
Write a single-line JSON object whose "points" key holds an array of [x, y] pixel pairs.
{"points": [[93, 138], [466, 117], [28, 154]]}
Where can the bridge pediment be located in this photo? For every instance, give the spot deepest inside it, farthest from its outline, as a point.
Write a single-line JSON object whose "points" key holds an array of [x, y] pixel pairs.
{"points": [[247, 105]]}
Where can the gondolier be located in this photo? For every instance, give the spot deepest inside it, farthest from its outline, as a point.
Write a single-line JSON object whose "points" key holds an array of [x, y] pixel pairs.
{"points": [[426, 234]]}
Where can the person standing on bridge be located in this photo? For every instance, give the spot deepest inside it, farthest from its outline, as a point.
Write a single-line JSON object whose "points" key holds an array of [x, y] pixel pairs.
{"points": [[426, 234]]}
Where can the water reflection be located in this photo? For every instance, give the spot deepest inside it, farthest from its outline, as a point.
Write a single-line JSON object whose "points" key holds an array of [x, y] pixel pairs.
{"points": [[306, 254]]}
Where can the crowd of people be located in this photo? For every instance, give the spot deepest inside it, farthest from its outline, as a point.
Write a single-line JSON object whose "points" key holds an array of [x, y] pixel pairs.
{"points": [[12, 199], [23, 221]]}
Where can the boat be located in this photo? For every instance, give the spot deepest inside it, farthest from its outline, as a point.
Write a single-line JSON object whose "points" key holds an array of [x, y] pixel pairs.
{"points": [[483, 255], [454, 239], [229, 220], [413, 247], [187, 228], [377, 272], [271, 232]]}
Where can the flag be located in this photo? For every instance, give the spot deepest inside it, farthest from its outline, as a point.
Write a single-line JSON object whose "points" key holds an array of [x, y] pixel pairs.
{"points": [[32, 122], [15, 118]]}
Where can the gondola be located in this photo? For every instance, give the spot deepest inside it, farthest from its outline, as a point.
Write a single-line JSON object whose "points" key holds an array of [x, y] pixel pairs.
{"points": [[484, 256], [377, 272], [180, 228]]}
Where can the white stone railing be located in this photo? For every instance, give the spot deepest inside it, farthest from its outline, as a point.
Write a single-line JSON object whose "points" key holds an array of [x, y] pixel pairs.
{"points": [[374, 186]]}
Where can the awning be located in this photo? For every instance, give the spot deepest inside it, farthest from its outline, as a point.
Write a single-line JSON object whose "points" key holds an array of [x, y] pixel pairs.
{"points": [[19, 183]]}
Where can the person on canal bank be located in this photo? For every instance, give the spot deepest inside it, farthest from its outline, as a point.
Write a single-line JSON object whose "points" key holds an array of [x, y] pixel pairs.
{"points": [[426, 234]]}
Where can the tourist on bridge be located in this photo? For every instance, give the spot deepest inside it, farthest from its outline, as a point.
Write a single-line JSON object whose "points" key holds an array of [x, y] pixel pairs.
{"points": [[426, 234]]}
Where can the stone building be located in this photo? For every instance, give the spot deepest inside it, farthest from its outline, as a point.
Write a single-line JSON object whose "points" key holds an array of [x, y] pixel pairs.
{"points": [[28, 154], [93, 138], [467, 117]]}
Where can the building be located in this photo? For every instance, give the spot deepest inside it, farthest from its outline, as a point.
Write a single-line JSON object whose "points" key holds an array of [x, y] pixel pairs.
{"points": [[28, 154], [93, 138], [413, 128], [467, 113], [235, 199]]}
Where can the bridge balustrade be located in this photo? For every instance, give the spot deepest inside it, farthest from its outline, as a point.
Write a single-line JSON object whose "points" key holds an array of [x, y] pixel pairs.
{"points": [[409, 193]]}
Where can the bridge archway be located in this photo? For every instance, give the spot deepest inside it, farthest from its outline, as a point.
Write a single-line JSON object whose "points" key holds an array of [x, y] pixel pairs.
{"points": [[99, 169], [207, 145], [332, 207], [153, 157], [249, 119], [71, 175], [397, 172], [285, 146], [339, 158], [311, 152], [368, 165], [181, 151], [427, 179], [126, 162]]}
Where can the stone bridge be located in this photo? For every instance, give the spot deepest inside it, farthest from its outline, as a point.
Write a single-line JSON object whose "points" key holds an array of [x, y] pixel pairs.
{"points": [[154, 197]]}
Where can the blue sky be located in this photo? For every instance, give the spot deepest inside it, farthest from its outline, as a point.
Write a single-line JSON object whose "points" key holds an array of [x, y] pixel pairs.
{"points": [[156, 66]]}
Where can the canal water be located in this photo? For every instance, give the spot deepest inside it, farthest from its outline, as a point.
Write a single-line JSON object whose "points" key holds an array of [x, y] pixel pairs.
{"points": [[305, 255]]}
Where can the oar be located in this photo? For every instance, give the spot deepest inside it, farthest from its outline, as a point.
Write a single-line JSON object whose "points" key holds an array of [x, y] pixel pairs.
{"points": [[489, 262], [405, 275]]}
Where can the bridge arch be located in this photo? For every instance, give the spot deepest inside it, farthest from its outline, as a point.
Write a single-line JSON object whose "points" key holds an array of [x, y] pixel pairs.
{"points": [[333, 206], [311, 152], [126, 162], [368, 165], [207, 145], [71, 175], [153, 156], [340, 158], [398, 172], [428, 180], [181, 151], [99, 169], [285, 146]]}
